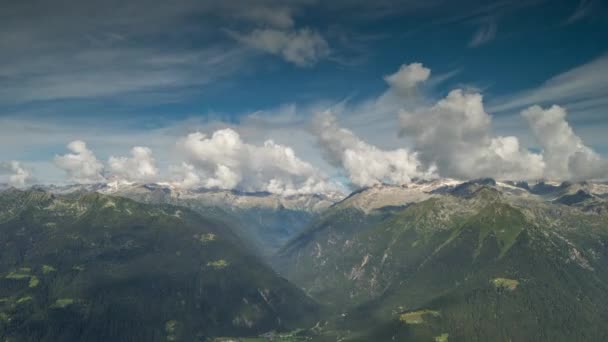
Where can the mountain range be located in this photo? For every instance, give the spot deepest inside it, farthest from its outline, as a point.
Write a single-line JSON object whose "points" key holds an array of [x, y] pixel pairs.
{"points": [[265, 220], [480, 260], [439, 260]]}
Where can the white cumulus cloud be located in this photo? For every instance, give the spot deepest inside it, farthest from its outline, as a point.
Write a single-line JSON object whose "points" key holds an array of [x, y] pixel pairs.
{"points": [[81, 166], [455, 134], [365, 164], [17, 174], [303, 47], [566, 155], [141, 167], [224, 161], [408, 76]]}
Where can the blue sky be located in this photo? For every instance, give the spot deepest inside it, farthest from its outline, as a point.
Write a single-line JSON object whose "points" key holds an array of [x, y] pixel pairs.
{"points": [[146, 73]]}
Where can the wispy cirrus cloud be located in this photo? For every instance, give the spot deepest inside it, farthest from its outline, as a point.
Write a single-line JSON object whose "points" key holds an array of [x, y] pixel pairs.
{"points": [[585, 86], [112, 71], [583, 10], [107, 49], [485, 33]]}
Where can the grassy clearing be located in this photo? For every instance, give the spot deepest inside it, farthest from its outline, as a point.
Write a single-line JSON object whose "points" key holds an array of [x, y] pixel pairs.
{"points": [[63, 303], [23, 300], [417, 317], [205, 238], [505, 283], [218, 264], [18, 276], [46, 269], [34, 281], [292, 336], [442, 338], [171, 328]]}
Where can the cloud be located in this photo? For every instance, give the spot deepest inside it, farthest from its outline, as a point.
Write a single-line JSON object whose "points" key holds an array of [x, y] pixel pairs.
{"points": [[280, 17], [18, 175], [485, 34], [408, 76], [455, 134], [581, 86], [81, 166], [303, 47], [365, 164], [109, 49], [114, 71], [141, 167], [584, 9], [224, 161], [565, 154]]}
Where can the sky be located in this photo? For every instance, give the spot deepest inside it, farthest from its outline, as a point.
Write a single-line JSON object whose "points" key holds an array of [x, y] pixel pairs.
{"points": [[302, 96]]}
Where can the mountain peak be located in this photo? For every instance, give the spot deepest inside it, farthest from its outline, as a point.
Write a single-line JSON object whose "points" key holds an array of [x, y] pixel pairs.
{"points": [[215, 197], [386, 195]]}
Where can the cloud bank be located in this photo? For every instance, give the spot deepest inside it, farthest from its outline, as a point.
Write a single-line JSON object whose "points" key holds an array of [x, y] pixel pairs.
{"points": [[81, 166], [455, 134], [141, 167], [565, 154], [450, 137], [18, 175], [365, 164], [224, 161]]}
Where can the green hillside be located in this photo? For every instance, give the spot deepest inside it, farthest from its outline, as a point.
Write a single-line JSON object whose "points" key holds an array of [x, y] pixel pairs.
{"points": [[265, 229], [475, 265], [91, 267]]}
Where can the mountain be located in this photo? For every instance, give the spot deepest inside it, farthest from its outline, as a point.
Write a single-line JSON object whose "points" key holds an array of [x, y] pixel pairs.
{"points": [[387, 196], [475, 261], [554, 190], [440, 260], [264, 219], [85, 266]]}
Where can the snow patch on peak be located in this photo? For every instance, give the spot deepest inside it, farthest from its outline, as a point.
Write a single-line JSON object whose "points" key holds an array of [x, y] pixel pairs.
{"points": [[384, 195], [224, 198]]}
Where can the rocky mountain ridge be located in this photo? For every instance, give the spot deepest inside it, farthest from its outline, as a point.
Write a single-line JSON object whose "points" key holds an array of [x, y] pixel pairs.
{"points": [[460, 260]]}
